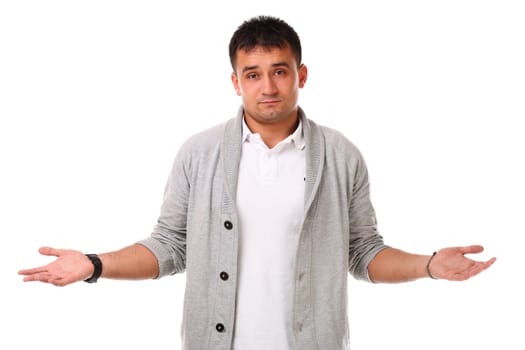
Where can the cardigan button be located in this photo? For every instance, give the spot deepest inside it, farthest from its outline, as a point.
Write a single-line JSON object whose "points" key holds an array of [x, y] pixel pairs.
{"points": [[219, 327], [224, 276], [228, 225]]}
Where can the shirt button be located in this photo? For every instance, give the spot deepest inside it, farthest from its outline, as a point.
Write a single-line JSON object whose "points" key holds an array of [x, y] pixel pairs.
{"points": [[228, 225], [224, 276], [219, 327]]}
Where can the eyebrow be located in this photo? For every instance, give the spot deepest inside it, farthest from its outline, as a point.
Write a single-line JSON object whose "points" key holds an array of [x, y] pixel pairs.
{"points": [[278, 64]]}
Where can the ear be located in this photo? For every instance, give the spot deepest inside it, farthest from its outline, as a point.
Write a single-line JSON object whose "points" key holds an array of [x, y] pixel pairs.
{"points": [[303, 75], [235, 82]]}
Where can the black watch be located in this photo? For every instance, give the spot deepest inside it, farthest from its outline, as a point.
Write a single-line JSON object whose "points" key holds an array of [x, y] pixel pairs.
{"points": [[97, 264]]}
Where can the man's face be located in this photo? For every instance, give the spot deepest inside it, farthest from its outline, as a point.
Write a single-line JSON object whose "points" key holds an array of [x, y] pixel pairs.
{"points": [[268, 80]]}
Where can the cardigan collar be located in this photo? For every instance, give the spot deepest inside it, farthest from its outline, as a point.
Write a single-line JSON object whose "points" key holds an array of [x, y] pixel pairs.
{"points": [[314, 148]]}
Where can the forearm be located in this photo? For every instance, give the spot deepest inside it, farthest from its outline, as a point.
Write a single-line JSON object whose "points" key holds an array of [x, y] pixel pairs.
{"points": [[393, 265], [131, 263]]}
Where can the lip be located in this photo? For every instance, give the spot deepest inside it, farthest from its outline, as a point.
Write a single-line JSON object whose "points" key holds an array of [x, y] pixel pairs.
{"points": [[269, 102]]}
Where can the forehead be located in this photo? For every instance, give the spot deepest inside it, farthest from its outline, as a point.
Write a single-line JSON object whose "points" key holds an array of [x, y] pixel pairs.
{"points": [[262, 56]]}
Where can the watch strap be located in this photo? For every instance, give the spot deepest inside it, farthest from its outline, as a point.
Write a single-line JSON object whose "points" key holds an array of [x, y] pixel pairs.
{"points": [[97, 264]]}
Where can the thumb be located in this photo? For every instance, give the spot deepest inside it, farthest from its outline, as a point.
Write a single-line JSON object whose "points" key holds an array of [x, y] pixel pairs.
{"points": [[473, 249], [48, 251]]}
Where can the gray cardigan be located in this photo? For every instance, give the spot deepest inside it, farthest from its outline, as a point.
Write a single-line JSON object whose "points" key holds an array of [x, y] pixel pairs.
{"points": [[197, 231]]}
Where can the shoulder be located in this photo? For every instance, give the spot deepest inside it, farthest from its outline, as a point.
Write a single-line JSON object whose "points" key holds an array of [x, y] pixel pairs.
{"points": [[340, 152], [336, 141], [204, 140], [201, 147]]}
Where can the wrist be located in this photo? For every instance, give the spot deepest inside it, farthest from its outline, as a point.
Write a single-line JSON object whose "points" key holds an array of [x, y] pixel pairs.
{"points": [[428, 266], [97, 268]]}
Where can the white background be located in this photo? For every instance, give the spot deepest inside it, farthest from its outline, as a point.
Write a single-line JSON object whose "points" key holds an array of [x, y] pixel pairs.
{"points": [[97, 96]]}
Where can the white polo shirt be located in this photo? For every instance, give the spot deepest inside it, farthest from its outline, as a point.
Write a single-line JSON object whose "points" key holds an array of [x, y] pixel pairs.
{"points": [[270, 203]]}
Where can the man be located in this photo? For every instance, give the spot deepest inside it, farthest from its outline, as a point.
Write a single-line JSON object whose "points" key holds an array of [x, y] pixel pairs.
{"points": [[267, 213]]}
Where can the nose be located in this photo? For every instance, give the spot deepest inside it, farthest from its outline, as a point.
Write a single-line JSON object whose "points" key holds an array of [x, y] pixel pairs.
{"points": [[269, 85]]}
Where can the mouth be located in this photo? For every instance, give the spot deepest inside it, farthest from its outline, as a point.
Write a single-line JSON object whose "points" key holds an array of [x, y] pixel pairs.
{"points": [[269, 102]]}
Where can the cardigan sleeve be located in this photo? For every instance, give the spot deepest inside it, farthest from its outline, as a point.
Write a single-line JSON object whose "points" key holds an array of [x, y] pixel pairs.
{"points": [[168, 239], [365, 240]]}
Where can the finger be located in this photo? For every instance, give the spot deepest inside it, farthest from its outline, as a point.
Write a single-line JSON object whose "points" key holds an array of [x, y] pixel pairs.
{"points": [[48, 251], [473, 270], [465, 275], [488, 263], [33, 271], [478, 268], [491, 261], [29, 278], [41, 277]]}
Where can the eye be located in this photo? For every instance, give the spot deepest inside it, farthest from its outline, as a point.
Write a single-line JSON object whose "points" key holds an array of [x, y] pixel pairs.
{"points": [[280, 72], [251, 75]]}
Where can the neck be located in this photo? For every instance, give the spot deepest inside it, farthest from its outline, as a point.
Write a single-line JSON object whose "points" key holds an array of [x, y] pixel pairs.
{"points": [[273, 133]]}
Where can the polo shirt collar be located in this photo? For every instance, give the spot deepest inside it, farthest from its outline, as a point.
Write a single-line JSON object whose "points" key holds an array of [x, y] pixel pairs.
{"points": [[297, 137]]}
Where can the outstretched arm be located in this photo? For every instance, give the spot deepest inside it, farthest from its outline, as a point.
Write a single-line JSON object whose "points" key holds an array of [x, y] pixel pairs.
{"points": [[133, 262], [393, 265]]}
